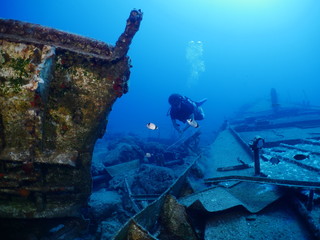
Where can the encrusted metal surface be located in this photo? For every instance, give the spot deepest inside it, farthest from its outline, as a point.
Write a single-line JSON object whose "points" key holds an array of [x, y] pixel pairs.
{"points": [[56, 91], [254, 197]]}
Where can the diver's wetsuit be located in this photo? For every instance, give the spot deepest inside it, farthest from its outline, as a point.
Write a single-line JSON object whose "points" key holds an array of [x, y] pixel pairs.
{"points": [[186, 109]]}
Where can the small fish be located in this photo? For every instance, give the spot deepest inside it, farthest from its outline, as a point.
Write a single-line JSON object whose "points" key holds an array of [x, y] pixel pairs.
{"points": [[148, 155], [152, 126], [192, 123]]}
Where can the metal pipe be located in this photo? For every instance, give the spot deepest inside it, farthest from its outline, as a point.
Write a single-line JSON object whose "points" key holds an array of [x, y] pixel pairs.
{"points": [[257, 144], [256, 157]]}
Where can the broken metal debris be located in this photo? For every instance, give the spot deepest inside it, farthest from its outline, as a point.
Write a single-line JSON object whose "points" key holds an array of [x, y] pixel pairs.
{"points": [[282, 179]]}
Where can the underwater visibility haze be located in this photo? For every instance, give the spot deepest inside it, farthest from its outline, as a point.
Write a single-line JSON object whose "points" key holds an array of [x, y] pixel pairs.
{"points": [[230, 52], [223, 55]]}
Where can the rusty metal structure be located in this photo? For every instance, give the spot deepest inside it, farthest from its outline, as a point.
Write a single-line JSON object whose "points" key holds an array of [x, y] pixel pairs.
{"points": [[56, 91], [245, 193]]}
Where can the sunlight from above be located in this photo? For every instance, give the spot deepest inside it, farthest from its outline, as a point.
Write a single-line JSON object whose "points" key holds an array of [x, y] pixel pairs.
{"points": [[240, 4]]}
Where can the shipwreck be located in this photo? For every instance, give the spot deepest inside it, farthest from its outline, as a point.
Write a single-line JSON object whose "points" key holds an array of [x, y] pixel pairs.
{"points": [[259, 177], [261, 180], [56, 90]]}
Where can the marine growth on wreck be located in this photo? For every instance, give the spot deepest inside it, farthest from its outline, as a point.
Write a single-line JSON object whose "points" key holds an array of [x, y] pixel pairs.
{"points": [[56, 91]]}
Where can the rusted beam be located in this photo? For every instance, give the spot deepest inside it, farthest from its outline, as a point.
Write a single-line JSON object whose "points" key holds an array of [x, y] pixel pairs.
{"points": [[280, 182], [129, 196]]}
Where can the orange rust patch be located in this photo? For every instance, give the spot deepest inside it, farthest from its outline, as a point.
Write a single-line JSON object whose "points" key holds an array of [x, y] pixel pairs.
{"points": [[24, 192]]}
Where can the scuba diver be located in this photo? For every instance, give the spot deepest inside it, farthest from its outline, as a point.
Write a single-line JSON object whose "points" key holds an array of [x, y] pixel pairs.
{"points": [[185, 110]]}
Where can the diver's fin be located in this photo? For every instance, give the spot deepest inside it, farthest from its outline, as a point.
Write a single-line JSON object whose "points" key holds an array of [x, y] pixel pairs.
{"points": [[199, 103]]}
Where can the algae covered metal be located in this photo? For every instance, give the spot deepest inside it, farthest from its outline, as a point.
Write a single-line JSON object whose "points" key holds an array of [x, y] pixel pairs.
{"points": [[56, 90]]}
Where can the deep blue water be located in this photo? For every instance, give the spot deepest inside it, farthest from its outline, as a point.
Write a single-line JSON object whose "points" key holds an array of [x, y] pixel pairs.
{"points": [[247, 47]]}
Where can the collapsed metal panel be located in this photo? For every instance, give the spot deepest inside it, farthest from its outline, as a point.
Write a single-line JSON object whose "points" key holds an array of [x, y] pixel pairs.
{"points": [[219, 198]]}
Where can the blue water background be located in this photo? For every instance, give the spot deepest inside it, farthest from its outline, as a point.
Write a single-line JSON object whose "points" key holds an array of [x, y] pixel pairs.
{"points": [[249, 47]]}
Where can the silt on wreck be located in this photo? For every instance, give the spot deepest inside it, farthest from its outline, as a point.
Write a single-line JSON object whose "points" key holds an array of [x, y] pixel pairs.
{"points": [[56, 91]]}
